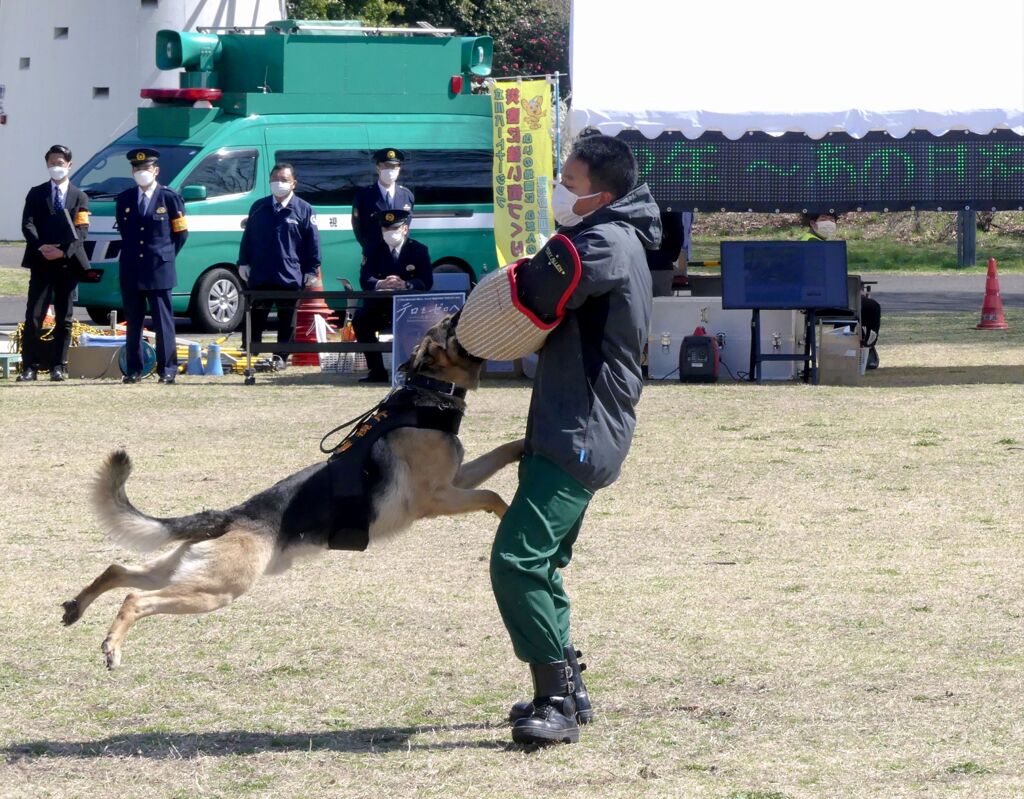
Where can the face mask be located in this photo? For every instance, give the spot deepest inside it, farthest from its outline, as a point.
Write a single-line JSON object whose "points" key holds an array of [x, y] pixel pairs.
{"points": [[144, 178], [58, 173], [394, 238], [826, 228], [280, 188], [562, 203], [389, 176]]}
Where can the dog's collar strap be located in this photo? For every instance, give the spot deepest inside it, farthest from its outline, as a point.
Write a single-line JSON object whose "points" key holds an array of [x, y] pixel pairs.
{"points": [[437, 386]]}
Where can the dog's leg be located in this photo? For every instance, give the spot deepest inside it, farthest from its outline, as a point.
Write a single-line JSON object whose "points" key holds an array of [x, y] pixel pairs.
{"points": [[480, 469], [155, 574], [451, 500], [174, 599]]}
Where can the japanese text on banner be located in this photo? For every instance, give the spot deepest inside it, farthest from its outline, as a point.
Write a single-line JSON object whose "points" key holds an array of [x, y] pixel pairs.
{"points": [[523, 168]]}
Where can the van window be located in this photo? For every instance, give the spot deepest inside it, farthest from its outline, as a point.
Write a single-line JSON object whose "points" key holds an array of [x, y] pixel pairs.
{"points": [[225, 172], [436, 177], [109, 172]]}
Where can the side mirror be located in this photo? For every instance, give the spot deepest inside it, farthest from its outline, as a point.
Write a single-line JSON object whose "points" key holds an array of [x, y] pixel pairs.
{"points": [[193, 192]]}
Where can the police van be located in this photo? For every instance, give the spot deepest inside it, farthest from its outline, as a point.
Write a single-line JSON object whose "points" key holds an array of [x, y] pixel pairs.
{"points": [[321, 96]]}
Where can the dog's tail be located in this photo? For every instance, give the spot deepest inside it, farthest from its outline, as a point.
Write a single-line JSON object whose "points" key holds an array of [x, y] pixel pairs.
{"points": [[132, 529]]}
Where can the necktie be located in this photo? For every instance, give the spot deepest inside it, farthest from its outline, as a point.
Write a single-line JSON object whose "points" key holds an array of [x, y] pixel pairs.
{"points": [[388, 200], [58, 201], [142, 204], [394, 256]]}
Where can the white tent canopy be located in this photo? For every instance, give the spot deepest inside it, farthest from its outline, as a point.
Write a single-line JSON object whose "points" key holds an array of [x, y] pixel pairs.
{"points": [[735, 66]]}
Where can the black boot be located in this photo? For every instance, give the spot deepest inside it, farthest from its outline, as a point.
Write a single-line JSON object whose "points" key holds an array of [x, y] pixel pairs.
{"points": [[554, 709], [584, 710]]}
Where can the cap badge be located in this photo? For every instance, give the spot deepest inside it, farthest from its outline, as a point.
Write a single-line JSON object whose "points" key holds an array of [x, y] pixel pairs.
{"points": [[389, 217], [140, 156], [391, 153]]}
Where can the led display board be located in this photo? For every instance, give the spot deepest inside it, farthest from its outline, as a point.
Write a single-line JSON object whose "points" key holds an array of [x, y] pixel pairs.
{"points": [[792, 172]]}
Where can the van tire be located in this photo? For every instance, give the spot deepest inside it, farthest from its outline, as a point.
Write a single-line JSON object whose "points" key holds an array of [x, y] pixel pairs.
{"points": [[217, 305], [98, 314]]}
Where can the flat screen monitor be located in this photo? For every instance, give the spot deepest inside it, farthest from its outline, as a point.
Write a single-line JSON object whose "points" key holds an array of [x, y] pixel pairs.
{"points": [[784, 274]]}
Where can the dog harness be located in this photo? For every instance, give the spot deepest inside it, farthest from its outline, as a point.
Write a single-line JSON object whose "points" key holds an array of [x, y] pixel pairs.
{"points": [[351, 475]]}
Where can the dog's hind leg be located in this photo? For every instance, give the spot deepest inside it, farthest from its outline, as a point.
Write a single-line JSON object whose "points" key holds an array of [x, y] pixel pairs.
{"points": [[174, 599], [478, 470], [155, 574]]}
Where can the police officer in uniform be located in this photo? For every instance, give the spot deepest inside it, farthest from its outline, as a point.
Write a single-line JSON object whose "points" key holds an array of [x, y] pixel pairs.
{"points": [[392, 263], [55, 254], [384, 195], [151, 220]]}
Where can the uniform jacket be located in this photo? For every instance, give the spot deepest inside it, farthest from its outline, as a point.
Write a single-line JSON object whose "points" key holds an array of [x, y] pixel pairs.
{"points": [[413, 265], [149, 243], [367, 202], [40, 225], [280, 247], [588, 380]]}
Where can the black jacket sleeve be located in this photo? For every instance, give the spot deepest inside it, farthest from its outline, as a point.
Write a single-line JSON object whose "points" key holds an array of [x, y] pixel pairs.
{"points": [[422, 278], [79, 209], [29, 228], [179, 226]]}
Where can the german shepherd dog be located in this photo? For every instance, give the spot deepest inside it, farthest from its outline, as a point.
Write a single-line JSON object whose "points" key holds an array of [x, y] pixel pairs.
{"points": [[221, 554]]}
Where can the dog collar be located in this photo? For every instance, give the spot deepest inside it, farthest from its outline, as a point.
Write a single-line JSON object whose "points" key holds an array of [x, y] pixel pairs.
{"points": [[438, 386]]}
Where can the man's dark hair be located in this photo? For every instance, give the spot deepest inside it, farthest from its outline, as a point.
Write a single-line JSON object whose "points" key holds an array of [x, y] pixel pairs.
{"points": [[58, 149], [610, 163], [281, 166]]}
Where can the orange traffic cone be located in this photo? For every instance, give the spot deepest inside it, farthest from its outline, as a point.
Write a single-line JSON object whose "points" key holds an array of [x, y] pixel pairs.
{"points": [[305, 327], [992, 317]]}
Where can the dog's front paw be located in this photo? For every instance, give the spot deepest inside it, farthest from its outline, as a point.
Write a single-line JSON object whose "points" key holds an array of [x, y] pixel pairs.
{"points": [[501, 509], [111, 653], [71, 612]]}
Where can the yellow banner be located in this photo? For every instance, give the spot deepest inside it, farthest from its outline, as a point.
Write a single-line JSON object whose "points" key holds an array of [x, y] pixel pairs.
{"points": [[523, 168]]}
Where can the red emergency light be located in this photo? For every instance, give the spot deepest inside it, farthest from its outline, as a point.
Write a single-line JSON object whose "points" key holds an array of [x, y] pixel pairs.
{"points": [[190, 95], [456, 84]]}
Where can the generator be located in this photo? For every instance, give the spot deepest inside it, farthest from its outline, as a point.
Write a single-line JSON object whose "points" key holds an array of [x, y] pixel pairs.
{"points": [[699, 358]]}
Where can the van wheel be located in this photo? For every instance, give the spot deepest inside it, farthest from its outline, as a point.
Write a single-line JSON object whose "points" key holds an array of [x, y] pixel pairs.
{"points": [[217, 303], [98, 314]]}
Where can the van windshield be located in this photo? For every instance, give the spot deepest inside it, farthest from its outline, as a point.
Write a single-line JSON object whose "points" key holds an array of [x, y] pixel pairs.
{"points": [[108, 173]]}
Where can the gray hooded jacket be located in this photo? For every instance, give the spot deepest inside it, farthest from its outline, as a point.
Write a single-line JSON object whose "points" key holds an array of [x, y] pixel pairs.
{"points": [[588, 380]]}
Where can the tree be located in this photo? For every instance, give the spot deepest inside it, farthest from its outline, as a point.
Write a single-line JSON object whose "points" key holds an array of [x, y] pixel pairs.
{"points": [[371, 12]]}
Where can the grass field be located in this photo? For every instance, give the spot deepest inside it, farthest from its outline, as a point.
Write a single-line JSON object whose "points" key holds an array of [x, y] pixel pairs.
{"points": [[791, 592], [13, 282]]}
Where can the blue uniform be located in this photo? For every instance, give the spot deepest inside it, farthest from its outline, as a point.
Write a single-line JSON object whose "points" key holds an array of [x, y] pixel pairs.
{"points": [[368, 201], [412, 265], [150, 239], [280, 246]]}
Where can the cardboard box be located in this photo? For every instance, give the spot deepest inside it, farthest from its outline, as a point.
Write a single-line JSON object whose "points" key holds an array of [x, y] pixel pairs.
{"points": [[94, 362], [839, 357]]}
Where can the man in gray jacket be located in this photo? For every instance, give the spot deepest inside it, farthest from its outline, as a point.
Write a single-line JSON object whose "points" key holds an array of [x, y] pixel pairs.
{"points": [[580, 425]]}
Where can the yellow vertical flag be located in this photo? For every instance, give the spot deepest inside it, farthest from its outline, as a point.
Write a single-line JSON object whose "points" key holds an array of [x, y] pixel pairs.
{"points": [[523, 168]]}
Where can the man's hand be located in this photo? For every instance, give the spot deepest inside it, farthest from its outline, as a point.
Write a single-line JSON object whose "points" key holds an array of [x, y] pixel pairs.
{"points": [[309, 280], [51, 253], [243, 272], [391, 283]]}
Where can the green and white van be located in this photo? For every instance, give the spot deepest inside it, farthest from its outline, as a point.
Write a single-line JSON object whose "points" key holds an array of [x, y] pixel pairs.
{"points": [[322, 97]]}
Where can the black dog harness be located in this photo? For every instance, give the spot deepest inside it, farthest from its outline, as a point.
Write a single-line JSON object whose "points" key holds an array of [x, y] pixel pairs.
{"points": [[352, 475]]}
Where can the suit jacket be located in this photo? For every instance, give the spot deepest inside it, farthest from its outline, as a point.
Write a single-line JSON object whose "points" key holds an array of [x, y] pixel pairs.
{"points": [[150, 242], [413, 265], [368, 201], [40, 225]]}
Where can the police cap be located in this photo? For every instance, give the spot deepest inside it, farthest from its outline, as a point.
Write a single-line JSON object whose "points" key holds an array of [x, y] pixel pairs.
{"points": [[388, 155], [391, 218], [141, 156]]}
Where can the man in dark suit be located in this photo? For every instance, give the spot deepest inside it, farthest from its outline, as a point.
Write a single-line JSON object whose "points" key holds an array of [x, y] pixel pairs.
{"points": [[394, 263], [55, 222], [151, 220], [280, 250], [384, 195]]}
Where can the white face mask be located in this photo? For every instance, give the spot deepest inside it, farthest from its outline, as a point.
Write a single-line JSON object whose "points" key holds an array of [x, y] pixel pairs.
{"points": [[389, 176], [826, 228], [280, 188], [562, 203], [394, 238], [58, 173], [144, 178]]}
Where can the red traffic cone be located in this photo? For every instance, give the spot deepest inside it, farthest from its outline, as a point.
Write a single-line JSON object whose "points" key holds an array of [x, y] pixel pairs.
{"points": [[992, 317], [305, 327]]}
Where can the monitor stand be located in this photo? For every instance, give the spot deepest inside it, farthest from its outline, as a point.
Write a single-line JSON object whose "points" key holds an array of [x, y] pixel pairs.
{"points": [[809, 356]]}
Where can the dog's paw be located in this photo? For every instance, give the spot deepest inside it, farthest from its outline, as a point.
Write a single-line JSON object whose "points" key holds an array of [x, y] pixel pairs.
{"points": [[71, 612], [112, 654], [500, 510]]}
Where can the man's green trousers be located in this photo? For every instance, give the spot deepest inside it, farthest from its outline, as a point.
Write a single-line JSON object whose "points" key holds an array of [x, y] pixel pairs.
{"points": [[535, 540]]}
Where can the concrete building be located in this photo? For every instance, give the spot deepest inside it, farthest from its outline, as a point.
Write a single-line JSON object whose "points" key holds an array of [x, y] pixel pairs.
{"points": [[70, 73]]}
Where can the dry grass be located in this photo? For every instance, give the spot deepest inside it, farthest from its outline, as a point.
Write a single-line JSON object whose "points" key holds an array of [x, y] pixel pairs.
{"points": [[791, 592]]}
